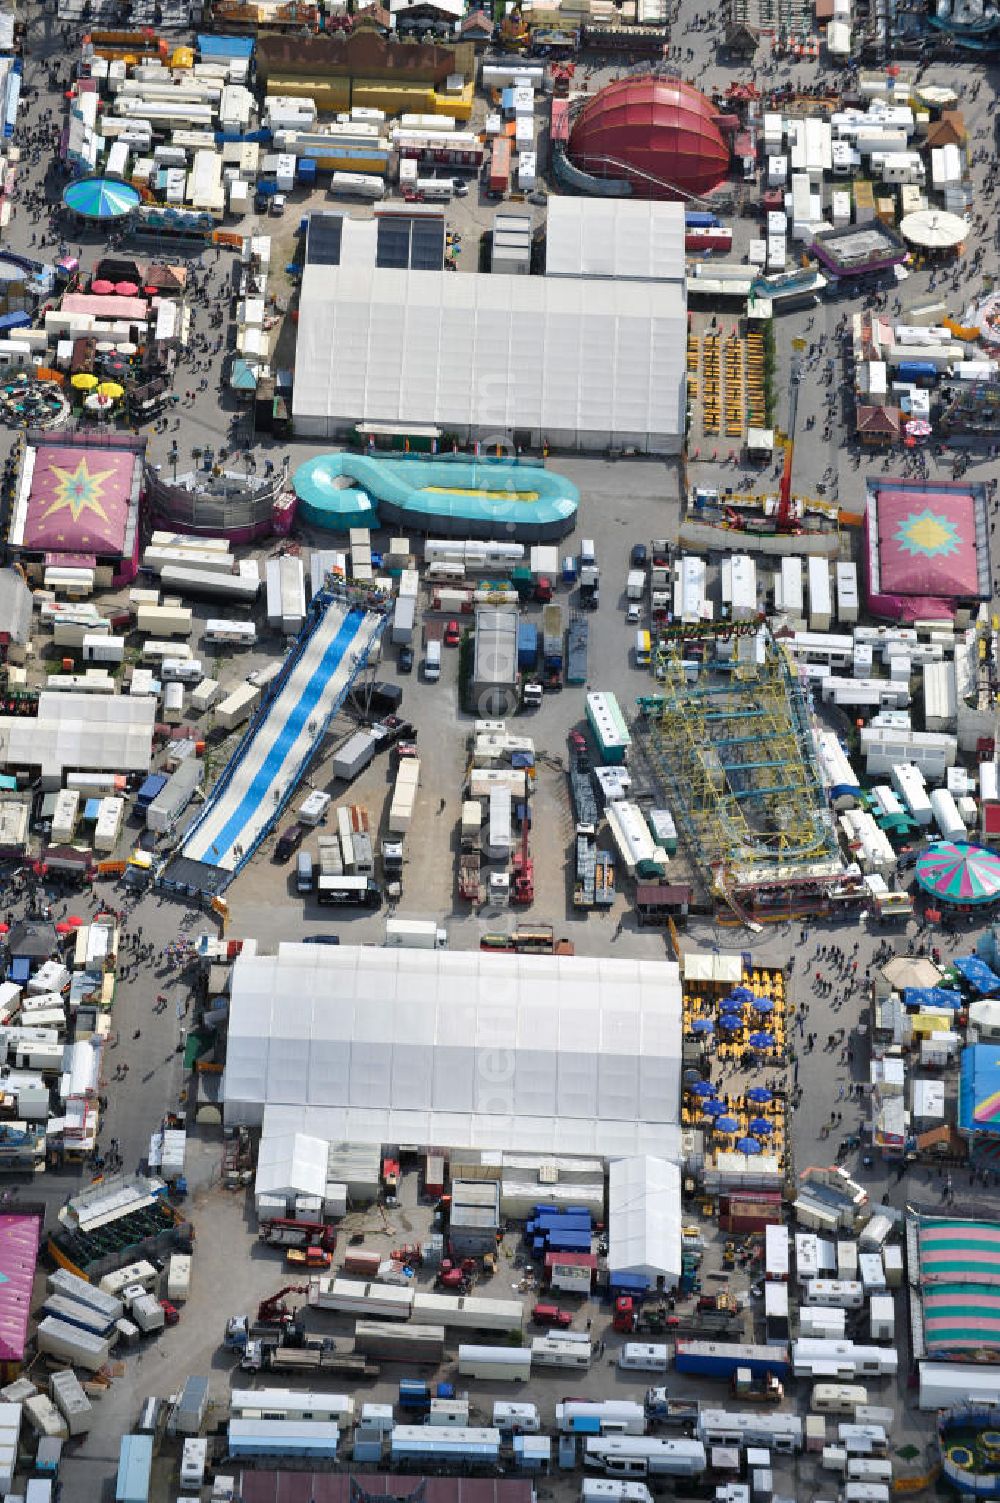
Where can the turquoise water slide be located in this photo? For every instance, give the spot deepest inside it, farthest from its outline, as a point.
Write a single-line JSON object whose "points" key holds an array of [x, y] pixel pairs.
{"points": [[462, 497]]}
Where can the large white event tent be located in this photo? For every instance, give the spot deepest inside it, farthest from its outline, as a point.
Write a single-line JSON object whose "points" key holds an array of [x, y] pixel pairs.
{"points": [[644, 1219], [533, 1053]]}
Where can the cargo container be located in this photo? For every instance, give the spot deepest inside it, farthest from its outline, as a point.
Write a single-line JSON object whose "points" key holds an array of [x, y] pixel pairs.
{"points": [[527, 646], [499, 178], [464, 1447], [98, 647], [715, 1359], [415, 934], [404, 615], [148, 1314], [81, 1348], [399, 1343], [83, 1317], [164, 620], [577, 638], [71, 1286], [365, 1300], [506, 1364], [204, 695], [312, 1439], [71, 1401], [237, 706], [353, 755], [135, 1462], [608, 725], [502, 1316], [169, 805]]}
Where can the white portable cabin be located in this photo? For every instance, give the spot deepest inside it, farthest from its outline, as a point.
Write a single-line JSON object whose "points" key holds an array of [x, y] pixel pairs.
{"points": [[726, 1427], [516, 1419], [508, 1364], [612, 1416], [820, 604], [788, 589], [847, 593], [110, 818], [776, 1249], [908, 781], [232, 633], [558, 1351]]}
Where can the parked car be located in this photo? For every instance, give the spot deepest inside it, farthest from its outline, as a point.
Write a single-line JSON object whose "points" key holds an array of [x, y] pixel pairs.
{"points": [[451, 634], [638, 557], [406, 660], [289, 841], [633, 613]]}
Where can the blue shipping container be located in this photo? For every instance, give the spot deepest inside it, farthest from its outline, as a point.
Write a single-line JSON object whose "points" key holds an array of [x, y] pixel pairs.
{"points": [[527, 645], [916, 370], [700, 219], [305, 170], [152, 786], [714, 1360]]}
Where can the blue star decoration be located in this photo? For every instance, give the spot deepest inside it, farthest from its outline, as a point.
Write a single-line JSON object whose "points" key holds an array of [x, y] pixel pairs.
{"points": [[927, 534]]}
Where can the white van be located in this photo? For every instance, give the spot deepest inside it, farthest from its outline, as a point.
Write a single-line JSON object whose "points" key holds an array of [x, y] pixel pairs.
{"points": [[867, 1492], [643, 1357], [837, 1398], [432, 662], [588, 553]]}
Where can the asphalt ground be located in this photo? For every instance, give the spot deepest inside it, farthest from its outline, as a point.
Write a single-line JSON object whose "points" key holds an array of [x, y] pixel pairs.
{"points": [[622, 502]]}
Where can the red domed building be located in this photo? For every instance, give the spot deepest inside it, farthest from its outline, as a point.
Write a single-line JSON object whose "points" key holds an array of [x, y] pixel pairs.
{"points": [[659, 134]]}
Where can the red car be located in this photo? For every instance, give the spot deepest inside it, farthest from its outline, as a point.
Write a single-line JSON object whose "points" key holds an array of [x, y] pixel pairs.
{"points": [[551, 1315], [171, 1314], [451, 634]]}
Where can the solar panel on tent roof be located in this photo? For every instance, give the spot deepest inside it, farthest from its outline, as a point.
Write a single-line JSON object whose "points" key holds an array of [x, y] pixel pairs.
{"points": [[323, 243], [427, 250], [414, 244]]}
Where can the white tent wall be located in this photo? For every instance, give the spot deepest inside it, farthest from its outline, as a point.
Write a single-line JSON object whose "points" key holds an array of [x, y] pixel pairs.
{"points": [[290, 1164], [534, 1053], [644, 1219]]}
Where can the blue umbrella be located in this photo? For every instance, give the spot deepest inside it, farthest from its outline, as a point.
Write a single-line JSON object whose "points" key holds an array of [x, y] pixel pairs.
{"points": [[703, 1025], [726, 1124], [731, 1010], [741, 993], [762, 1040], [730, 1021], [763, 1005], [748, 1145], [761, 1125], [702, 1088], [759, 1094], [715, 1108]]}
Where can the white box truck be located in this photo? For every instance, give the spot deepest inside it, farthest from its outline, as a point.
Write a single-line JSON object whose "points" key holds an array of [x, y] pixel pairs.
{"points": [[506, 1364], [414, 934]]}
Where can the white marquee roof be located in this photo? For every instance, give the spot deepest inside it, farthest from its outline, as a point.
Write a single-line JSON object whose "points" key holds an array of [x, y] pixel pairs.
{"points": [[80, 732], [614, 237], [491, 353], [561, 1054], [292, 1164], [644, 1218]]}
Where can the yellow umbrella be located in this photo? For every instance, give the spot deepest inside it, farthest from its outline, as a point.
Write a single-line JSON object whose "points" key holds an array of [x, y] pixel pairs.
{"points": [[83, 381], [110, 389]]}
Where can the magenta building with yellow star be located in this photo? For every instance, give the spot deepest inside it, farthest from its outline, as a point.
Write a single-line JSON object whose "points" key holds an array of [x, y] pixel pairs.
{"points": [[927, 552], [78, 506]]}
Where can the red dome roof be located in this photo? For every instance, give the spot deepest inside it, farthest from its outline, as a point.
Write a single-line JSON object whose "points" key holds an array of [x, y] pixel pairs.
{"points": [[657, 133]]}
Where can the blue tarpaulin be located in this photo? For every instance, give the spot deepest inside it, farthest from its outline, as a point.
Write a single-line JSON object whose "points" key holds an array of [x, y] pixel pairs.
{"points": [[931, 996], [977, 974], [216, 47]]}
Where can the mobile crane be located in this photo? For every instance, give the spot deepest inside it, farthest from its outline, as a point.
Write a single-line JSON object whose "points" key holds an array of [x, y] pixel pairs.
{"points": [[524, 869]]}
